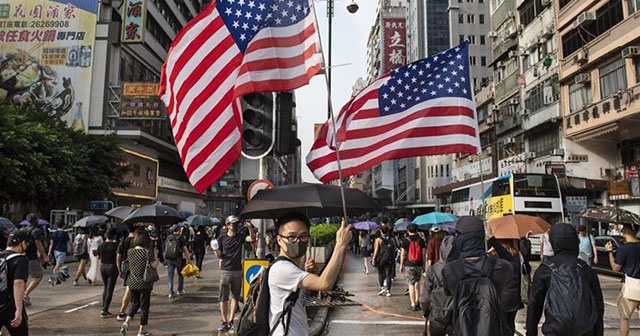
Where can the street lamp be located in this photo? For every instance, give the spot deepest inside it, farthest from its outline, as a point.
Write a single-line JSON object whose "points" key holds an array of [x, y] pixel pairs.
{"points": [[351, 8]]}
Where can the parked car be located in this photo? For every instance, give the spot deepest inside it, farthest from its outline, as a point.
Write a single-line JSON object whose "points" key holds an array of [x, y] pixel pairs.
{"points": [[603, 256]]}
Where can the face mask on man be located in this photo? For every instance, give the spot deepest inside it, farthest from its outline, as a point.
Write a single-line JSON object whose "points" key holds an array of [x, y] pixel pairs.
{"points": [[297, 249]]}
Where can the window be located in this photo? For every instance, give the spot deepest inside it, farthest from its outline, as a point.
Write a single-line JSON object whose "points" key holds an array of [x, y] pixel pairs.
{"points": [[436, 169], [461, 18], [472, 39], [483, 60], [471, 18], [483, 40], [447, 166], [472, 60], [544, 143], [636, 65], [481, 18], [612, 78], [461, 38], [579, 96], [633, 6], [609, 15]]}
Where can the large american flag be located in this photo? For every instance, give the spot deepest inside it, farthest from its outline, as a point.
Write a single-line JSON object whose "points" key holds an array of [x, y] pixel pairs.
{"points": [[423, 108], [232, 48]]}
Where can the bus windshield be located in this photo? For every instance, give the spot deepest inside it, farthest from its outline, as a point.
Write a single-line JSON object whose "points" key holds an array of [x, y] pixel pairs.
{"points": [[535, 185]]}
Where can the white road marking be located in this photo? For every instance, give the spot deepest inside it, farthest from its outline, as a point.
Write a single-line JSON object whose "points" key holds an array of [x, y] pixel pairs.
{"points": [[81, 307], [611, 304], [400, 322]]}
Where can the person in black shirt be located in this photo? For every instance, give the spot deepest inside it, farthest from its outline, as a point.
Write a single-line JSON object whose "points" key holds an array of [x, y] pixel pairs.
{"points": [[13, 315], [200, 243], [107, 252], [123, 269]]}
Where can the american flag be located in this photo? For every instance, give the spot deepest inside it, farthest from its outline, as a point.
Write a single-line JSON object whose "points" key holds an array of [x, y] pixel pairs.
{"points": [[232, 48], [423, 108]]}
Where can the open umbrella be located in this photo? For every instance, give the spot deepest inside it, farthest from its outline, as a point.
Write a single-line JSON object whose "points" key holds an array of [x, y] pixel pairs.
{"points": [[200, 220], [610, 215], [517, 226], [40, 222], [7, 224], [401, 226], [120, 212], [154, 213], [433, 218], [367, 226], [90, 221], [312, 199]]}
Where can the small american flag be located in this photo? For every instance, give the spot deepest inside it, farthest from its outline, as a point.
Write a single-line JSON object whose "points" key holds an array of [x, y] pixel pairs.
{"points": [[232, 48], [423, 108]]}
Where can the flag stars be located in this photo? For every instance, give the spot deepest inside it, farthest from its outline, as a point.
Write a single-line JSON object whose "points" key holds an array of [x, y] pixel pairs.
{"points": [[454, 73], [228, 11], [406, 74], [393, 101], [290, 3], [262, 7], [440, 86], [413, 79], [450, 90], [403, 105], [447, 79], [251, 4], [238, 13]]}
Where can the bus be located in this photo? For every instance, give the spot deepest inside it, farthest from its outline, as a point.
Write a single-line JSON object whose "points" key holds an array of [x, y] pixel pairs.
{"points": [[528, 194]]}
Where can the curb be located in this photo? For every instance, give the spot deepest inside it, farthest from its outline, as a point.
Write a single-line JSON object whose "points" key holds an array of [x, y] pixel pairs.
{"points": [[316, 326]]}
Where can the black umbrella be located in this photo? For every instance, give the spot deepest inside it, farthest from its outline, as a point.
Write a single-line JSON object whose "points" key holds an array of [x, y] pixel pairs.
{"points": [[6, 224], [120, 212], [610, 215], [90, 221], [312, 199], [154, 213]]}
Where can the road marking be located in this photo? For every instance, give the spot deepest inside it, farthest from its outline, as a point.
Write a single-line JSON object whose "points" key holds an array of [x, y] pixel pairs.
{"points": [[417, 323], [81, 307], [611, 304]]}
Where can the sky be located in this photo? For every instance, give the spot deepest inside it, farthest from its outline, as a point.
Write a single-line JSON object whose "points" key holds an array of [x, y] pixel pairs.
{"points": [[350, 33]]}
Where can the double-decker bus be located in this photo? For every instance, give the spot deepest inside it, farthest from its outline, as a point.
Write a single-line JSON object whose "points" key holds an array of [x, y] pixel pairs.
{"points": [[528, 194]]}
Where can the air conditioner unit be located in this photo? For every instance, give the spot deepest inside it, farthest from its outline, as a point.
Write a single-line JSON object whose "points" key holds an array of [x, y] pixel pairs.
{"points": [[513, 54], [630, 52], [492, 34], [519, 27], [495, 108], [525, 112], [489, 150], [514, 101], [557, 152], [529, 155], [546, 3], [509, 141], [581, 57], [584, 18], [583, 78], [550, 30], [547, 93], [512, 14], [489, 121], [501, 64], [511, 32]]}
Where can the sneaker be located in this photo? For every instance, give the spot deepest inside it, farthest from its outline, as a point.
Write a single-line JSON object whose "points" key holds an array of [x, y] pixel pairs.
{"points": [[181, 292], [412, 308], [388, 294], [75, 283], [26, 301], [418, 307], [171, 295], [121, 316], [144, 333], [124, 329], [230, 326], [198, 277], [105, 314], [222, 326], [382, 291]]}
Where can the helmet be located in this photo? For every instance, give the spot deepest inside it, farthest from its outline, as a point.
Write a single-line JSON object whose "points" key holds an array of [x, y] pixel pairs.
{"points": [[232, 219]]}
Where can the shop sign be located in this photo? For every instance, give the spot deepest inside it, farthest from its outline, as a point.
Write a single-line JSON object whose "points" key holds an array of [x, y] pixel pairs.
{"points": [[140, 101], [620, 187], [142, 176], [575, 204], [133, 21], [556, 169], [394, 43]]}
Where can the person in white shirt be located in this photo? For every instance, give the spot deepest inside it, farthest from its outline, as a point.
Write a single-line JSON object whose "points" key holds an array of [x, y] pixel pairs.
{"points": [[546, 251], [285, 277]]}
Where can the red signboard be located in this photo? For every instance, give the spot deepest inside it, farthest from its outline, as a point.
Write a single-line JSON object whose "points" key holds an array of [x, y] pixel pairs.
{"points": [[394, 43]]}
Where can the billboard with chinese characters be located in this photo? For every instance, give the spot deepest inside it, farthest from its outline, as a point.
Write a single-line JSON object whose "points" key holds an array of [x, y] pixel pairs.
{"points": [[140, 101], [394, 43], [46, 50], [133, 21]]}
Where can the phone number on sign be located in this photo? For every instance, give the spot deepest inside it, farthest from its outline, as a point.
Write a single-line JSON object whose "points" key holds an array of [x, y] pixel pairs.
{"points": [[48, 24]]}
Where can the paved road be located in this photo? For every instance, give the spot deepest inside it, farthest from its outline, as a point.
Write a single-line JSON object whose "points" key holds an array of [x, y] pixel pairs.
{"points": [[390, 316]]}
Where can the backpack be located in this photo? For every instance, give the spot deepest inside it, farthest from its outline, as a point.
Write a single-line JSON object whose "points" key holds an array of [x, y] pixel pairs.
{"points": [[415, 251], [172, 248], [387, 253], [478, 309], [79, 245], [5, 293], [570, 306], [440, 305], [254, 318]]}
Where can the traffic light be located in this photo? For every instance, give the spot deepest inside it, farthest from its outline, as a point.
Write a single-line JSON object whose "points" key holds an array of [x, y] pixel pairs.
{"points": [[286, 128], [257, 124]]}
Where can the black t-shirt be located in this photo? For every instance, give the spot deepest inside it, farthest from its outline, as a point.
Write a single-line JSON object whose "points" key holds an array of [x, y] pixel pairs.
{"points": [[628, 257], [126, 244], [199, 243], [406, 243], [231, 248], [18, 268], [60, 241], [35, 233], [107, 252]]}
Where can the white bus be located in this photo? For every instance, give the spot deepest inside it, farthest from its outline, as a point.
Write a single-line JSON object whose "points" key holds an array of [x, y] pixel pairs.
{"points": [[527, 194]]}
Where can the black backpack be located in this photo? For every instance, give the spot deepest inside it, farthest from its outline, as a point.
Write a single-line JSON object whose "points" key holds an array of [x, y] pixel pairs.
{"points": [[254, 318], [387, 253], [440, 305], [570, 306], [477, 303], [172, 248], [5, 293]]}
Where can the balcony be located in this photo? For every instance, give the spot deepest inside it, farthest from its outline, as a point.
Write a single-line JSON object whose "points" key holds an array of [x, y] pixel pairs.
{"points": [[588, 121], [568, 13], [501, 14], [508, 123], [507, 87]]}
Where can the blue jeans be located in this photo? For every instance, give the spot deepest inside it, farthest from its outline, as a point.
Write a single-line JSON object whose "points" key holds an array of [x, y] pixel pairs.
{"points": [[174, 265]]}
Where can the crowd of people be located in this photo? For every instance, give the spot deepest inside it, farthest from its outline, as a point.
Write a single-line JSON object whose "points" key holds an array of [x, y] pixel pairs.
{"points": [[465, 281]]}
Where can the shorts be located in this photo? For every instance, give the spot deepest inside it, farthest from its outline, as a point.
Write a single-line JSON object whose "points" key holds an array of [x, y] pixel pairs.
{"points": [[84, 256], [365, 252], [230, 282], [626, 307], [59, 256], [412, 274], [35, 268]]}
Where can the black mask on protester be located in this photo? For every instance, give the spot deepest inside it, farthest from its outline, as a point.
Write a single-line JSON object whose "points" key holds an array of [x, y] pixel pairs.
{"points": [[297, 249]]}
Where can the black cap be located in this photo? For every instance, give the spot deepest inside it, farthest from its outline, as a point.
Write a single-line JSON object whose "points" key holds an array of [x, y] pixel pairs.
{"points": [[469, 224], [17, 236]]}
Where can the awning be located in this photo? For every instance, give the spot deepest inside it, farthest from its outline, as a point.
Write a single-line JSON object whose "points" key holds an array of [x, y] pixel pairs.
{"points": [[600, 131]]}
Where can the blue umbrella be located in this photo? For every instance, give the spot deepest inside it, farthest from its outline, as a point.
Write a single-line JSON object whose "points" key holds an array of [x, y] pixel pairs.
{"points": [[40, 222], [368, 226], [401, 225], [433, 218], [5, 223]]}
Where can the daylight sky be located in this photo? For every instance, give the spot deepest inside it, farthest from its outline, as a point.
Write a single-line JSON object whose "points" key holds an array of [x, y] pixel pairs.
{"points": [[350, 33]]}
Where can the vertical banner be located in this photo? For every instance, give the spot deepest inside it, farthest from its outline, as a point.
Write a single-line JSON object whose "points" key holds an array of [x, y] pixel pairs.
{"points": [[394, 43], [133, 21], [46, 50]]}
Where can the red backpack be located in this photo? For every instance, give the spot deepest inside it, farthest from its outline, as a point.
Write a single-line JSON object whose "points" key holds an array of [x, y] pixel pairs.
{"points": [[415, 251]]}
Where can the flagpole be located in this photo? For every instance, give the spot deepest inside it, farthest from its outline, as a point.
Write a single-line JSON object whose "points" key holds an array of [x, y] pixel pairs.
{"points": [[484, 202]]}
